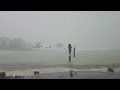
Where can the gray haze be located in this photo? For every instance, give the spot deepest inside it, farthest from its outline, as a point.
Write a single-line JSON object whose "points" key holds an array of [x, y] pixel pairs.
{"points": [[89, 30]]}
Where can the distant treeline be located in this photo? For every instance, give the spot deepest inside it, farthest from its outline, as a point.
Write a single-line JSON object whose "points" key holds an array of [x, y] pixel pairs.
{"points": [[12, 44], [20, 44]]}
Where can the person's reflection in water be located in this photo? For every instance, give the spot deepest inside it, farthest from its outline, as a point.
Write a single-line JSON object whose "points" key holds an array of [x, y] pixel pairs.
{"points": [[71, 73]]}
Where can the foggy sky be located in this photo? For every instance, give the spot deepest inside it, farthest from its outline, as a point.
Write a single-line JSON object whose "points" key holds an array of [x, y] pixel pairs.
{"points": [[87, 29]]}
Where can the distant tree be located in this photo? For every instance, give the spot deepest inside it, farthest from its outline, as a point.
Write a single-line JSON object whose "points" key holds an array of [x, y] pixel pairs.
{"points": [[38, 45], [59, 45], [29, 45], [17, 43], [12, 44], [4, 43], [50, 46]]}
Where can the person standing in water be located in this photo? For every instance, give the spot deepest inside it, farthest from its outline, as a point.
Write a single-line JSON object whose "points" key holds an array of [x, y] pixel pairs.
{"points": [[70, 50]]}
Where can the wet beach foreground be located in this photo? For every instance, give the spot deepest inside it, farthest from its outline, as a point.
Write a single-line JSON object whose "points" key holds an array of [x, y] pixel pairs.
{"points": [[63, 72]]}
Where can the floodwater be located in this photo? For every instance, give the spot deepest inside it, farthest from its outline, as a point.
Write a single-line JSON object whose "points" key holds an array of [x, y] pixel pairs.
{"points": [[52, 57]]}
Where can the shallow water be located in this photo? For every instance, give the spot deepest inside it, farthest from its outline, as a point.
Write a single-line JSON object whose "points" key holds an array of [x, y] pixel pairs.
{"points": [[83, 57]]}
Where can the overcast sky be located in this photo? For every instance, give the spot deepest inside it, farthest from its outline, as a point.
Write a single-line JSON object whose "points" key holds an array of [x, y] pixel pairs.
{"points": [[89, 30]]}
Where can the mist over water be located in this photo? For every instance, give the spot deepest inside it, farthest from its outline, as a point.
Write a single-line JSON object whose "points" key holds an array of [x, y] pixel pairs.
{"points": [[87, 29], [43, 36]]}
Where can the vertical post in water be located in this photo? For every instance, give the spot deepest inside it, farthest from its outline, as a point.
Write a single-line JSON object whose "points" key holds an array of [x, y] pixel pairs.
{"points": [[74, 51], [70, 49]]}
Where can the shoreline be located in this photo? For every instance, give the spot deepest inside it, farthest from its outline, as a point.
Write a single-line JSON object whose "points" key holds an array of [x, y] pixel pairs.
{"points": [[28, 69], [27, 66]]}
